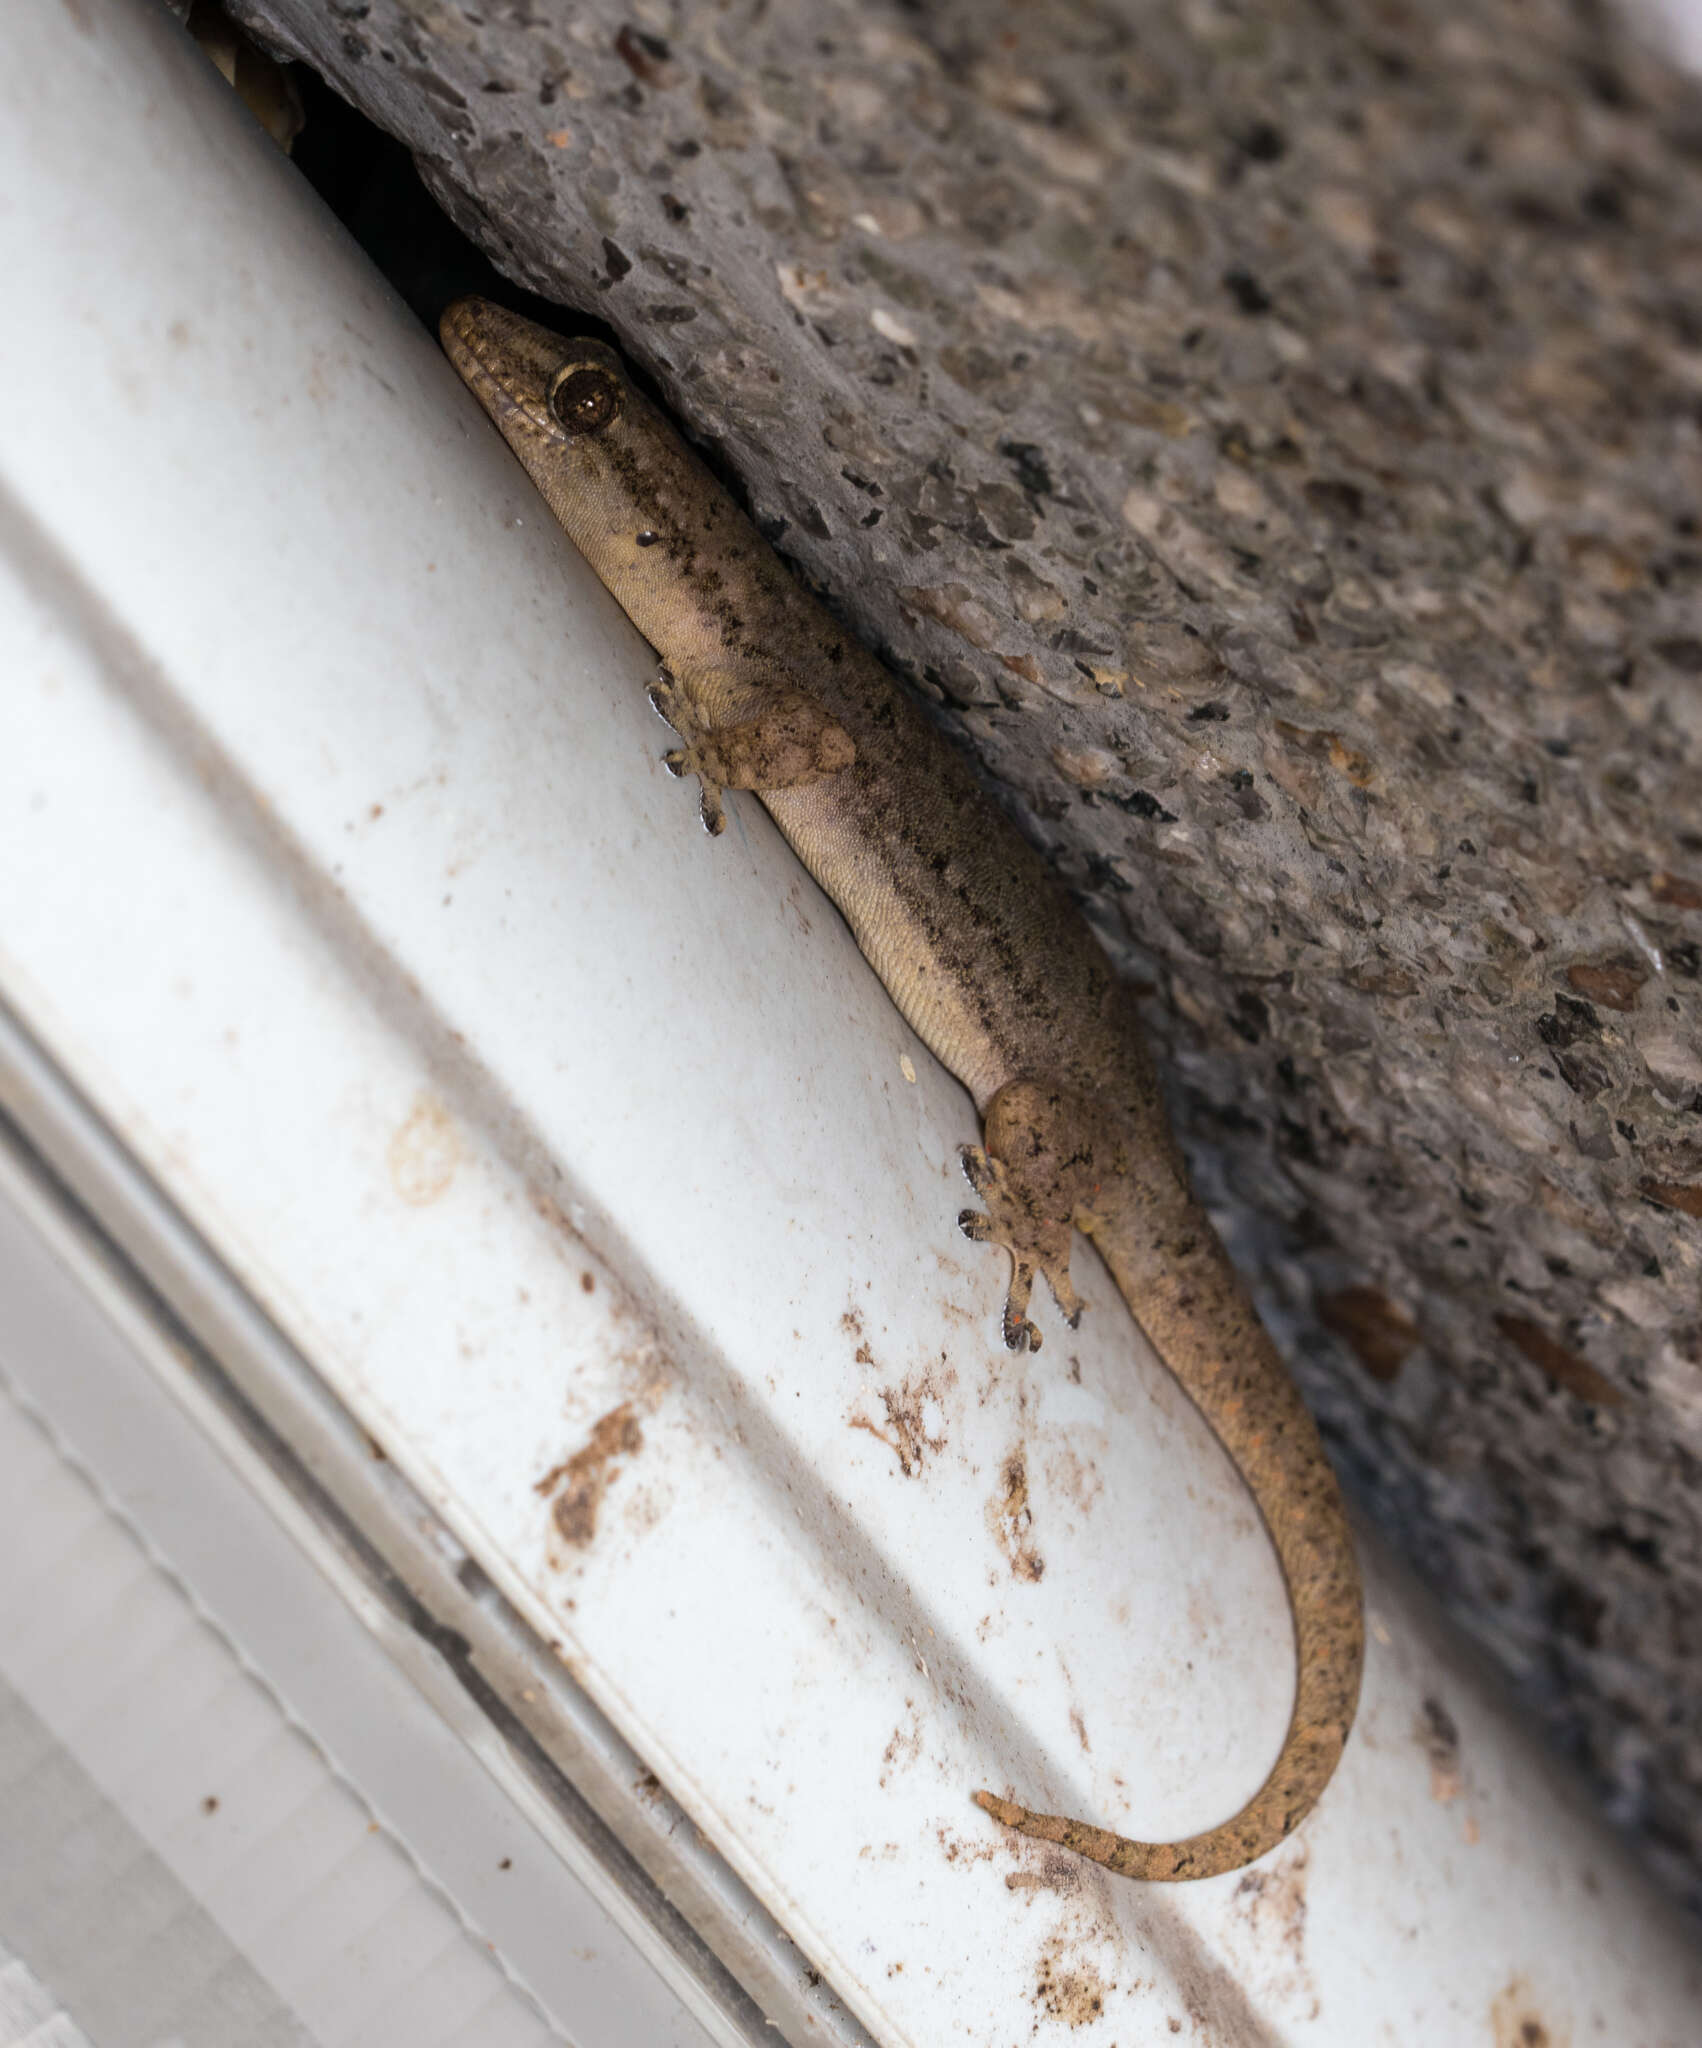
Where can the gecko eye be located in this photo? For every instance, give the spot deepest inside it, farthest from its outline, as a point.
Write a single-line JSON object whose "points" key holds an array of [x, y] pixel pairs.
{"points": [[585, 399]]}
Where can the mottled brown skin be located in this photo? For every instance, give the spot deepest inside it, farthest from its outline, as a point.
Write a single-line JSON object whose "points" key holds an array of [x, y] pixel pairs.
{"points": [[983, 954]]}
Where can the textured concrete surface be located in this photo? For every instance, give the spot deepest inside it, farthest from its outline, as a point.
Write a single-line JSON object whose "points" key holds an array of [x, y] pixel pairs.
{"points": [[1270, 437]]}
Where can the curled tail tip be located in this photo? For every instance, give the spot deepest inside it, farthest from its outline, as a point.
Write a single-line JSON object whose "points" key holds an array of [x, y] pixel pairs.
{"points": [[1215, 1853], [1005, 1811], [1021, 1820]]}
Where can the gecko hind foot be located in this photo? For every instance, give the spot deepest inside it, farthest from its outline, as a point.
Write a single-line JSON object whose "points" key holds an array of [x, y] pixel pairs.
{"points": [[669, 705], [786, 742], [1038, 1242]]}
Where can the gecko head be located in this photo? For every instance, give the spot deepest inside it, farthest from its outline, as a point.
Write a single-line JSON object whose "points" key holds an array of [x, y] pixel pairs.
{"points": [[609, 466], [535, 384]]}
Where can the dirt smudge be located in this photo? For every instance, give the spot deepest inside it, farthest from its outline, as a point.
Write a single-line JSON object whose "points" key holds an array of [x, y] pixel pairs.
{"points": [[424, 1152], [1068, 1987], [1438, 1737], [915, 1424], [1075, 1477], [587, 1475], [1011, 1518], [1272, 1903], [1516, 2021], [905, 1746]]}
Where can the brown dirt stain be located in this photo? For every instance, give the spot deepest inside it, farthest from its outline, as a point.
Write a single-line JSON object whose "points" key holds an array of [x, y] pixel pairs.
{"points": [[905, 1746], [1517, 2023], [852, 1324], [1436, 1734], [958, 1848], [586, 1476], [1011, 1519], [1074, 1476], [907, 1433], [424, 1153], [1272, 1903], [1069, 1988]]}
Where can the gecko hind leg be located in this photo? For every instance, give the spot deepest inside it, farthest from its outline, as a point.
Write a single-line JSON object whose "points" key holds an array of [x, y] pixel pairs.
{"points": [[1035, 1174], [790, 741]]}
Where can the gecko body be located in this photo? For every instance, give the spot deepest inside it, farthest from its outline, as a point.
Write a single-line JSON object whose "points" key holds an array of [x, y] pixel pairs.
{"points": [[986, 958]]}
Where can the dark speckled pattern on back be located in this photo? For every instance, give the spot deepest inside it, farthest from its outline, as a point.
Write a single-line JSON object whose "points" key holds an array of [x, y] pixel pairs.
{"points": [[994, 970]]}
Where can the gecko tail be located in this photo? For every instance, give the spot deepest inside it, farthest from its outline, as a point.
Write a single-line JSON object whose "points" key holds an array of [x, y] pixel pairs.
{"points": [[1060, 1163], [1301, 1771], [1315, 1548]]}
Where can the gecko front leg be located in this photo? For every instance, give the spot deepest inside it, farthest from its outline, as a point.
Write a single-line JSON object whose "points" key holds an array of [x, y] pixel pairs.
{"points": [[789, 742]]}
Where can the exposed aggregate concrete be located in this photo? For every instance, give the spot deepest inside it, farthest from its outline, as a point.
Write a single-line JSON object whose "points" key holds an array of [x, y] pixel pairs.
{"points": [[1272, 437]]}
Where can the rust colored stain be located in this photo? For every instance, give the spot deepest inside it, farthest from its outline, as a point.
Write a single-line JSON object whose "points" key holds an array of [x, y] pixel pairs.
{"points": [[1011, 1519], [1565, 1368], [1378, 1331], [1517, 2023], [1672, 1194], [586, 1476], [1612, 983], [424, 1153], [1675, 889]]}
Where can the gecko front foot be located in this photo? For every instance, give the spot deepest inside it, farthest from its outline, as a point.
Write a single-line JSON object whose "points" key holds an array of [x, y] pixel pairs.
{"points": [[668, 701]]}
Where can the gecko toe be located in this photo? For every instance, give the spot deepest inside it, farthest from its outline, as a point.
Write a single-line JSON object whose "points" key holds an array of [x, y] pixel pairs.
{"points": [[1070, 1303], [978, 1169], [1020, 1333], [1032, 1196], [664, 700], [671, 708]]}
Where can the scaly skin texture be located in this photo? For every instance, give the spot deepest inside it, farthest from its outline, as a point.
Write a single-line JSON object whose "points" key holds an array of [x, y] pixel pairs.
{"points": [[987, 960]]}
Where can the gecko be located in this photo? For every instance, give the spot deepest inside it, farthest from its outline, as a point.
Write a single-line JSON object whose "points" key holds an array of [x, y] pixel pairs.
{"points": [[986, 958]]}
